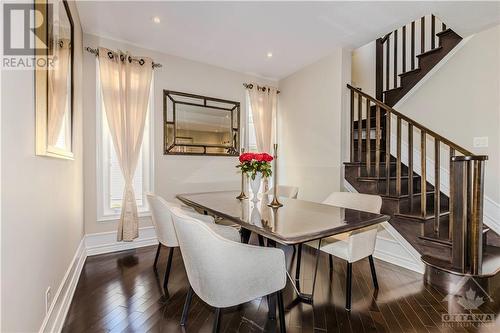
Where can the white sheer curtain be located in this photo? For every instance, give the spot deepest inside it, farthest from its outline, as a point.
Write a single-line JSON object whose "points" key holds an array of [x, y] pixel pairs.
{"points": [[58, 90], [125, 88], [263, 102]]}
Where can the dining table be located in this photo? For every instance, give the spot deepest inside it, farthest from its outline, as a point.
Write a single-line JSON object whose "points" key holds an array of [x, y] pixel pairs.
{"points": [[296, 222]]}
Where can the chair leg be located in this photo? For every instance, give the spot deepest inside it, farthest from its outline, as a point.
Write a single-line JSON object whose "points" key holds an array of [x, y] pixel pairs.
{"points": [[187, 304], [156, 256], [271, 305], [216, 321], [299, 258], [348, 287], [374, 273], [169, 266], [261, 240], [281, 311]]}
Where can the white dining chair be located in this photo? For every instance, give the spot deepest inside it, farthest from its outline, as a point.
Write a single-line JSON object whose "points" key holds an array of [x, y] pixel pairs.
{"points": [[225, 273], [165, 232], [352, 246]]}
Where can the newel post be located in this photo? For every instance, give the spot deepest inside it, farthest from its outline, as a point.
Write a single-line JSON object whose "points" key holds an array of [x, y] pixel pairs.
{"points": [[466, 212]]}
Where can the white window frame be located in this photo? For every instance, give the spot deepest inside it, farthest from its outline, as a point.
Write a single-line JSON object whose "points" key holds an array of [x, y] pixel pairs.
{"points": [[104, 213]]}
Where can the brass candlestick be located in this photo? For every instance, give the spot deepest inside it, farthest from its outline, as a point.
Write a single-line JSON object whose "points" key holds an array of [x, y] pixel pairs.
{"points": [[275, 203], [242, 194]]}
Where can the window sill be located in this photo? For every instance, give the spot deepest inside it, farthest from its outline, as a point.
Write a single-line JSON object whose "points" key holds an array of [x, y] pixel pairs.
{"points": [[115, 217]]}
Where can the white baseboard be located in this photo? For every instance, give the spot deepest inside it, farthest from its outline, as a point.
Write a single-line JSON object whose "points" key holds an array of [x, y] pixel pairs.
{"points": [[105, 242], [91, 244], [394, 249], [54, 320]]}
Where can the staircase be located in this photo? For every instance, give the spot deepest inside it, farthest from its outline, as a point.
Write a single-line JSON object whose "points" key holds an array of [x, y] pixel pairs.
{"points": [[389, 157], [396, 56]]}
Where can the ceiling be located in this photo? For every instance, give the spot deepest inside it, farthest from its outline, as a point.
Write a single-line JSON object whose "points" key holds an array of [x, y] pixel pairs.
{"points": [[238, 35]]}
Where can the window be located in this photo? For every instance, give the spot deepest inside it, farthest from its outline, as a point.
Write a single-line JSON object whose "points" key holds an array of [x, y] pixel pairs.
{"points": [[110, 181]]}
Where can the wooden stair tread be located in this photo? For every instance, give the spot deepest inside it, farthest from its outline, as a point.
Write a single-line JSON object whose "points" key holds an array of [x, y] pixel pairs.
{"points": [[374, 178], [434, 50], [418, 216], [392, 90], [416, 70], [402, 196], [435, 239], [445, 32]]}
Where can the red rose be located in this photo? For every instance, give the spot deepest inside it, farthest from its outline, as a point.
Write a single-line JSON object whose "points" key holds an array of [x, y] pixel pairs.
{"points": [[259, 157], [266, 157], [246, 157]]}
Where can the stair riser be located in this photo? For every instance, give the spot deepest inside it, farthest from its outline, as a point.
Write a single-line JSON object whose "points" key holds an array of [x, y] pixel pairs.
{"points": [[373, 155], [404, 204]]}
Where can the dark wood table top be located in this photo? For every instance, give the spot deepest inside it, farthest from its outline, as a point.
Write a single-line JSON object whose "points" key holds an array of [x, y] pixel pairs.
{"points": [[298, 221]]}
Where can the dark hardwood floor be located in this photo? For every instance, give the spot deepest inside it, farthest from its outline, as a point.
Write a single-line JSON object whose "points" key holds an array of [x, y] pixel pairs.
{"points": [[120, 292]]}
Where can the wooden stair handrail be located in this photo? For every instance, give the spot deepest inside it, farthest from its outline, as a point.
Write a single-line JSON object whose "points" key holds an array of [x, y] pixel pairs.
{"points": [[416, 124]]}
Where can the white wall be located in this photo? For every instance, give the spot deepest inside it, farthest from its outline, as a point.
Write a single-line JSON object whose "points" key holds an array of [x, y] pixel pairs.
{"points": [[310, 118], [461, 101], [42, 202], [172, 174], [363, 68]]}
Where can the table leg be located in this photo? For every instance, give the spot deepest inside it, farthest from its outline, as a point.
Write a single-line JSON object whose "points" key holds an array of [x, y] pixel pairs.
{"points": [[301, 296]]}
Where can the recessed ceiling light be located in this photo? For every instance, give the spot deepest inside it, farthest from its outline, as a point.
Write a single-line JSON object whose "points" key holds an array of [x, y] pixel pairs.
{"points": [[269, 54], [156, 19]]}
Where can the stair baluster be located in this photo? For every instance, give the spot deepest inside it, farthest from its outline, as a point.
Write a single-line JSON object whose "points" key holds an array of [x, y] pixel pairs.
{"points": [[422, 34], [410, 163], [377, 141], [398, 157], [388, 152], [423, 174], [352, 126], [437, 186], [360, 128], [413, 45], [368, 138]]}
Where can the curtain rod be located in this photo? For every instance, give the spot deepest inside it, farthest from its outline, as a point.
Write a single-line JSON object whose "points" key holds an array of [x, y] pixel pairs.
{"points": [[96, 53], [250, 86]]}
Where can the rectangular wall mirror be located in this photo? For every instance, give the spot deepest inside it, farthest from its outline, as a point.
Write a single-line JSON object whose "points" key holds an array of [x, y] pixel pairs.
{"points": [[200, 125], [54, 82]]}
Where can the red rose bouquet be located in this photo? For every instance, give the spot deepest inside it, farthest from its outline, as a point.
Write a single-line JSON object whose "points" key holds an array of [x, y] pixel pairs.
{"points": [[252, 163]]}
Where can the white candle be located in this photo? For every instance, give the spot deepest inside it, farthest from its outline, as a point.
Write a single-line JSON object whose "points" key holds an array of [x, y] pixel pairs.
{"points": [[276, 122]]}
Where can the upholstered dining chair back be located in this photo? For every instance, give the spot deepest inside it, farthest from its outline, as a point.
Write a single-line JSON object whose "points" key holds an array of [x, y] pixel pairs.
{"points": [[162, 219], [357, 201], [286, 191], [222, 272], [361, 243]]}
